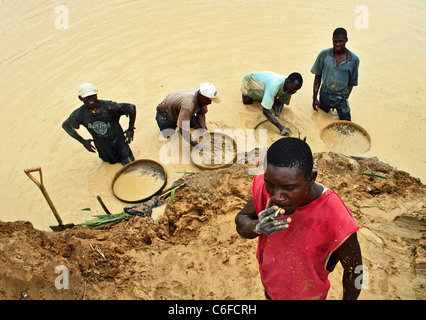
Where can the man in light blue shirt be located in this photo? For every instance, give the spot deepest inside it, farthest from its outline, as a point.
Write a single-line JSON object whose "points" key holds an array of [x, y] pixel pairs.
{"points": [[273, 90], [337, 69]]}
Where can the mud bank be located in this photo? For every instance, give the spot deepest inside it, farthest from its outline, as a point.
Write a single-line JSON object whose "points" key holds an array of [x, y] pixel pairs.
{"points": [[194, 252]]}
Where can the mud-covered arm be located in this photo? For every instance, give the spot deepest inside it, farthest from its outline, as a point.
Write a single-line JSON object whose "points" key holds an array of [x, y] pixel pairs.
{"points": [[66, 125], [317, 84], [349, 254], [268, 114], [129, 133], [246, 221]]}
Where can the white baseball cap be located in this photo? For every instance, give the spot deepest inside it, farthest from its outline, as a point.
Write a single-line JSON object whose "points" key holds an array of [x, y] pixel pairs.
{"points": [[208, 90], [87, 90]]}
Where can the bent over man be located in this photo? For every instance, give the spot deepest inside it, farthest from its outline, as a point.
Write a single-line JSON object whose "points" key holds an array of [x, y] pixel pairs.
{"points": [[273, 90], [189, 106]]}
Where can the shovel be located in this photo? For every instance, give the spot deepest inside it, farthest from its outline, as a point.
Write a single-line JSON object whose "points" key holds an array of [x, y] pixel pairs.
{"points": [[103, 205], [60, 226]]}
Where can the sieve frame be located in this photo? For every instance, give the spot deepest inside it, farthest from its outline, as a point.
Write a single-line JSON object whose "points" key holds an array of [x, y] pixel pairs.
{"points": [[136, 163]]}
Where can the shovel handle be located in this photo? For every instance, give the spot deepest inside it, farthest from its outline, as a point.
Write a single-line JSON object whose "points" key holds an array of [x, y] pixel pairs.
{"points": [[103, 205], [28, 171], [44, 191]]}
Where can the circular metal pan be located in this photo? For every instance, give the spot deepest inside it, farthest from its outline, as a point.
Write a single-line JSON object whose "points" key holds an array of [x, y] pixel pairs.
{"points": [[213, 166], [346, 137], [266, 124], [273, 133], [144, 167]]}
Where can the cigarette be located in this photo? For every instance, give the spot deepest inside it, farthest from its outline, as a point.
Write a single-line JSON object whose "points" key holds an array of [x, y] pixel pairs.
{"points": [[279, 212]]}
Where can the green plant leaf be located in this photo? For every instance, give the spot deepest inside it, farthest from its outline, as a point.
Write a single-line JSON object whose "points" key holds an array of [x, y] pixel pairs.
{"points": [[376, 176], [104, 220], [172, 194]]}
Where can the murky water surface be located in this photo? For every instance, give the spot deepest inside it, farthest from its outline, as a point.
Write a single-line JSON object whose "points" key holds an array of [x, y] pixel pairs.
{"points": [[139, 51]]}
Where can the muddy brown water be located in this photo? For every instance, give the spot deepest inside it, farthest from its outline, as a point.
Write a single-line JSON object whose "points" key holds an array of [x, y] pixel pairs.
{"points": [[136, 185], [139, 51]]}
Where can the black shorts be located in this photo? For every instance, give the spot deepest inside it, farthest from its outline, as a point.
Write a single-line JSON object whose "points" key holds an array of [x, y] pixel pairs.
{"points": [[168, 127], [119, 152]]}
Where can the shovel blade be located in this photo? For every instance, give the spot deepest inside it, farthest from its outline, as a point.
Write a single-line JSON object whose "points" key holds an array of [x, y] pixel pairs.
{"points": [[62, 227]]}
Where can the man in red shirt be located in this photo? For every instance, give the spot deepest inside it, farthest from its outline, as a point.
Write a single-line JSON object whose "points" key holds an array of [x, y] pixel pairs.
{"points": [[303, 228]]}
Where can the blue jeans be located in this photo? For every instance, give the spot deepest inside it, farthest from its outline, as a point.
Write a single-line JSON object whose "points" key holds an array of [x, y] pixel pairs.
{"points": [[333, 101]]}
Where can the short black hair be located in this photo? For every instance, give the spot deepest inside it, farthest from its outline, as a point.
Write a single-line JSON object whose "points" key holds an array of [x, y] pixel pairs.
{"points": [[340, 32], [289, 153], [295, 76]]}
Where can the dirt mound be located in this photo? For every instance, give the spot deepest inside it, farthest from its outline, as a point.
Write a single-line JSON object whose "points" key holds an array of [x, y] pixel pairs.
{"points": [[194, 252]]}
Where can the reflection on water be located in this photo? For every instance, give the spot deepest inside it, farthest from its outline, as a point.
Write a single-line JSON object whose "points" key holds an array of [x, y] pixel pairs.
{"points": [[139, 51]]}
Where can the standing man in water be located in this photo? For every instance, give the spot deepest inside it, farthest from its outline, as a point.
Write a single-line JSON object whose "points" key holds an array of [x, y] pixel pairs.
{"points": [[101, 119], [273, 90], [337, 69], [303, 228]]}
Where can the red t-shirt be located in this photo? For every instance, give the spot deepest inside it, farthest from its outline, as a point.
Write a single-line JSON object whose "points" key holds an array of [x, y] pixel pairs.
{"points": [[292, 262]]}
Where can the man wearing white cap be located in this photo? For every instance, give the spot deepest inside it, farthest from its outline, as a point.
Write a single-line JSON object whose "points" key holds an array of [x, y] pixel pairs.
{"points": [[185, 105], [101, 119]]}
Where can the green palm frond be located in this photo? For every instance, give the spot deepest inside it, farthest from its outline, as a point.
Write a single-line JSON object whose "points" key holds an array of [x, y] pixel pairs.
{"points": [[105, 220]]}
